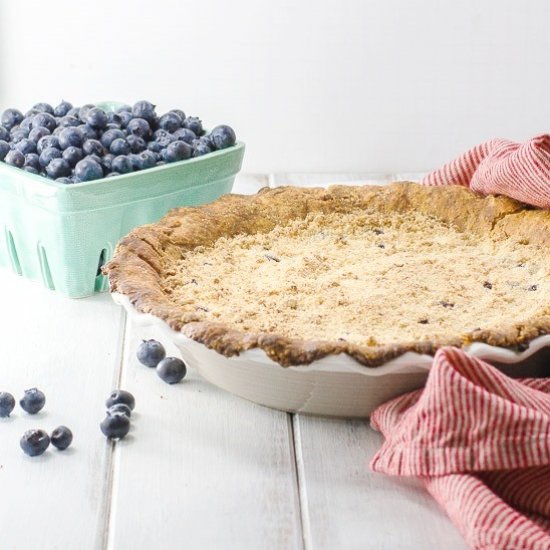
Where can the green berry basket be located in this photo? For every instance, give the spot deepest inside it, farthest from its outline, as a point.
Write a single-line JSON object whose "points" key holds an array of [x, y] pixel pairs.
{"points": [[61, 234]]}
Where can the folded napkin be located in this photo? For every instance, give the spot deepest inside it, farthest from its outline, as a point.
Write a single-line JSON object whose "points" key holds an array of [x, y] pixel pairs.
{"points": [[480, 441], [502, 167]]}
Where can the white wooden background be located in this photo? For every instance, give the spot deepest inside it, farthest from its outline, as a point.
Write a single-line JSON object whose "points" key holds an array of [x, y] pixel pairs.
{"points": [[200, 468]]}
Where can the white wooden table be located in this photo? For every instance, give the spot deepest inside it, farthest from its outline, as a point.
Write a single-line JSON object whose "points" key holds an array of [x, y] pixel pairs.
{"points": [[200, 468]]}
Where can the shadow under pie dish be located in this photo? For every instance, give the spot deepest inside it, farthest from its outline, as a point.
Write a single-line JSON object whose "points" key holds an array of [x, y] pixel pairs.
{"points": [[364, 276]]}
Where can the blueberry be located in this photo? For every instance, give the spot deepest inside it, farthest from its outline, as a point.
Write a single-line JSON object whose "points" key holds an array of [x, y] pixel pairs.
{"points": [[184, 134], [72, 155], [4, 149], [200, 147], [43, 108], [7, 404], [26, 123], [172, 370], [139, 127], [34, 442], [61, 438], [161, 163], [47, 155], [15, 158], [83, 110], [62, 109], [10, 118], [57, 131], [4, 134], [116, 425], [70, 136], [44, 120], [26, 146], [154, 146], [65, 180], [69, 121], [194, 124], [145, 110], [150, 353], [165, 141], [125, 118], [96, 118], [111, 126], [170, 122], [36, 133], [114, 118], [178, 150], [109, 136], [160, 133], [96, 158], [18, 134], [31, 170], [178, 112], [121, 396], [46, 142], [93, 147], [88, 132], [121, 164], [87, 170], [32, 159], [74, 112], [147, 159], [120, 408], [137, 144], [58, 168], [107, 160], [33, 401], [119, 146], [222, 136], [124, 109]]}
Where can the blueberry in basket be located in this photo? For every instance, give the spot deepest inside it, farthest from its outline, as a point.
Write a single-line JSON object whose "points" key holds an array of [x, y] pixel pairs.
{"points": [[79, 144]]}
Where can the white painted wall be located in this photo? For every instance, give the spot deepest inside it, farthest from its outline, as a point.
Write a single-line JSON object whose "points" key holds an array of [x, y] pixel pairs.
{"points": [[310, 85]]}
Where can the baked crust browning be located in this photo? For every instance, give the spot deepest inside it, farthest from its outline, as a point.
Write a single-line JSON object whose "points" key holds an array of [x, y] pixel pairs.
{"points": [[146, 259]]}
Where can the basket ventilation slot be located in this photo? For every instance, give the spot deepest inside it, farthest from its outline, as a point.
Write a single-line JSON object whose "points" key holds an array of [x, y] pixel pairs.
{"points": [[45, 268], [12, 251]]}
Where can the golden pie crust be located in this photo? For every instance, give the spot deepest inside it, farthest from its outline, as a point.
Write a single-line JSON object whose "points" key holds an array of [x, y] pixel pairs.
{"points": [[370, 271]]}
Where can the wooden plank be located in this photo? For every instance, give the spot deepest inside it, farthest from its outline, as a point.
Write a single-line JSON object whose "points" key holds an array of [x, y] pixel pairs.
{"points": [[346, 506], [70, 350], [201, 468]]}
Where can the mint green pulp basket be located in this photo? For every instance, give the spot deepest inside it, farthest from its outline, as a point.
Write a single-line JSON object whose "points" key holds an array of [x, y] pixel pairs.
{"points": [[59, 234]]}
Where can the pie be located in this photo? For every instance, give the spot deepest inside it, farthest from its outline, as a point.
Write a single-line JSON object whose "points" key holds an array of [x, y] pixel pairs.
{"points": [[370, 271]]}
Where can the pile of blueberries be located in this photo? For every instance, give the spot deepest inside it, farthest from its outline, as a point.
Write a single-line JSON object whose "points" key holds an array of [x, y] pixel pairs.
{"points": [[116, 423], [152, 354], [35, 442], [75, 144]]}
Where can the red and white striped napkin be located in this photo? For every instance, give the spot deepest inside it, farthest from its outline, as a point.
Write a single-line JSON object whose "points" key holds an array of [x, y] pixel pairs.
{"points": [[502, 167], [480, 441]]}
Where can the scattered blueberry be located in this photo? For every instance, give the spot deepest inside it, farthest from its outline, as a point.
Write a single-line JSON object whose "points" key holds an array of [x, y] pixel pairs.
{"points": [[10, 118], [121, 396], [7, 404], [34, 442], [121, 408], [150, 353], [61, 438], [177, 150], [58, 168], [222, 137], [172, 370], [116, 425], [15, 158], [194, 124], [87, 170], [33, 401]]}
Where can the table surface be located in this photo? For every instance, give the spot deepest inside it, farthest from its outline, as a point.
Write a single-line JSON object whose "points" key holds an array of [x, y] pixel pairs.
{"points": [[200, 468]]}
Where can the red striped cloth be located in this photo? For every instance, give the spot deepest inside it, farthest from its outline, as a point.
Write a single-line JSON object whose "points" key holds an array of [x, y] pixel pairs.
{"points": [[502, 167], [480, 441]]}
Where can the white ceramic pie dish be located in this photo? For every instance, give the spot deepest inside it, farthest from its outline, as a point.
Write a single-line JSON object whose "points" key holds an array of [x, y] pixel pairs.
{"points": [[336, 385]]}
